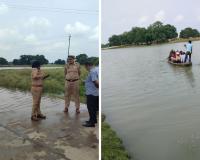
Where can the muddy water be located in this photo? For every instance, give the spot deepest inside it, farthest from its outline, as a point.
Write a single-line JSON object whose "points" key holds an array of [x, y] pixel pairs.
{"points": [[153, 106]]}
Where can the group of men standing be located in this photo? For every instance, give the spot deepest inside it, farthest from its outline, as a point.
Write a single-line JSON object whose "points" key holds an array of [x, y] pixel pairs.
{"points": [[72, 72]]}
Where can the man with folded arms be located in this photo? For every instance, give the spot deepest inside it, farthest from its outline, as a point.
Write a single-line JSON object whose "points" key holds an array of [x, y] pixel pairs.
{"points": [[72, 76]]}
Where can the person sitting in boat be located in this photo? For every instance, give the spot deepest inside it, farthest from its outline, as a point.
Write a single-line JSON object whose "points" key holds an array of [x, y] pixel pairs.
{"points": [[172, 56], [182, 55], [178, 57]]}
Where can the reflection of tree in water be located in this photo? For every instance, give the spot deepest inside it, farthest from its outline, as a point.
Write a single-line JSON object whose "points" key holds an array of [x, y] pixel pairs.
{"points": [[187, 72]]}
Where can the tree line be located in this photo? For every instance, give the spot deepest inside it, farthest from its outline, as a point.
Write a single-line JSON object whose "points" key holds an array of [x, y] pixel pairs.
{"points": [[154, 33], [28, 59]]}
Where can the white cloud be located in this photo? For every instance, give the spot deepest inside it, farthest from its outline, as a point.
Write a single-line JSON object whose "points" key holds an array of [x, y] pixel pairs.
{"points": [[143, 19], [95, 35], [52, 46], [82, 30], [3, 9], [38, 23], [31, 38], [179, 18], [77, 29], [9, 34], [198, 18], [9, 38], [4, 47], [160, 16]]}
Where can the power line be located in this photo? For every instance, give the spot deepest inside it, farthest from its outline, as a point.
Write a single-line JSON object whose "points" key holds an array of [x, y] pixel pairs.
{"points": [[48, 9]]}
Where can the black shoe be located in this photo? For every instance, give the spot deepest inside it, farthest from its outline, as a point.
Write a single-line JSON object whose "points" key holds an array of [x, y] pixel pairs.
{"points": [[87, 121], [34, 118], [89, 125], [90, 122], [41, 116]]}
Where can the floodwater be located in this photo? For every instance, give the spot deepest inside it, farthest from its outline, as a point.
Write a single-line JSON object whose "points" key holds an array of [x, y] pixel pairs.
{"points": [[153, 106], [59, 137]]}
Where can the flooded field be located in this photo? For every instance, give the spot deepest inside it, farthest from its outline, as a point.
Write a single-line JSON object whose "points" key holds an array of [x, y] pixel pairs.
{"points": [[154, 106]]}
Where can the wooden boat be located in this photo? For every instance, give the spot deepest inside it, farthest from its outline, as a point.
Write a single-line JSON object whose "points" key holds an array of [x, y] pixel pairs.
{"points": [[181, 64]]}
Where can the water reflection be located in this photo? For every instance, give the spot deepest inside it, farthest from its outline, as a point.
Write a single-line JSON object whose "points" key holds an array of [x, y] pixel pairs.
{"points": [[186, 71]]}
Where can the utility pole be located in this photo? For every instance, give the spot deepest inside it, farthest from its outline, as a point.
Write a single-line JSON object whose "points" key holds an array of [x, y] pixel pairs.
{"points": [[69, 44]]}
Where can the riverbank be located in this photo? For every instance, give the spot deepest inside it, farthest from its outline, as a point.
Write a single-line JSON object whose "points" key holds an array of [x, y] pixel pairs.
{"points": [[112, 145], [178, 40], [53, 86]]}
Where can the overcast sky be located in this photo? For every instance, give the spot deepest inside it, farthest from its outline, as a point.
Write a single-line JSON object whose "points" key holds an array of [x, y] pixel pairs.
{"points": [[121, 15], [42, 27]]}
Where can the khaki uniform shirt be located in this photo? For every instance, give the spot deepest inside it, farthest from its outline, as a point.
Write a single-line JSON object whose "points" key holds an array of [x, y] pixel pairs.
{"points": [[37, 76], [72, 71]]}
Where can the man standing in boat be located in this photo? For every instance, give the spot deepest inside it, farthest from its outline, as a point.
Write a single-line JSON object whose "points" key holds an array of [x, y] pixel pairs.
{"points": [[188, 50]]}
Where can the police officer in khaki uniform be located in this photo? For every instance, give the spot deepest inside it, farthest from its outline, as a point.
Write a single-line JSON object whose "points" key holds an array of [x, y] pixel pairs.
{"points": [[72, 76], [37, 77]]}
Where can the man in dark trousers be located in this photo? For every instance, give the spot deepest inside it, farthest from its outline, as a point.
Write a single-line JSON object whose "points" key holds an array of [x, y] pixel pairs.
{"points": [[92, 93], [188, 51]]}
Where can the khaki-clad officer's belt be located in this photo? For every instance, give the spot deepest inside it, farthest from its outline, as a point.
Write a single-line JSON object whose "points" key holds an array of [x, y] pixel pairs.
{"points": [[72, 80], [37, 85]]}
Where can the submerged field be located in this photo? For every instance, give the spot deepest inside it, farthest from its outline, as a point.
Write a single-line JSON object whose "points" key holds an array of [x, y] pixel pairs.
{"points": [[53, 86]]}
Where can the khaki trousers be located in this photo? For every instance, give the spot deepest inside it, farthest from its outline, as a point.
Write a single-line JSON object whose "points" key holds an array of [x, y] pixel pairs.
{"points": [[37, 94], [72, 88]]}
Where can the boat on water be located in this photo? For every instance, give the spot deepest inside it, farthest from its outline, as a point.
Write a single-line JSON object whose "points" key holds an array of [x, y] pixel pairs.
{"points": [[181, 64]]}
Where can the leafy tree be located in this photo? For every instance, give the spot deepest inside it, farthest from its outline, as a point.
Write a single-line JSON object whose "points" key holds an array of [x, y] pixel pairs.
{"points": [[155, 33], [94, 60], [170, 31], [148, 37], [105, 45], [131, 35], [28, 59], [16, 62], [140, 35], [115, 40], [41, 59], [59, 61], [189, 32], [3, 61], [124, 38], [81, 58]]}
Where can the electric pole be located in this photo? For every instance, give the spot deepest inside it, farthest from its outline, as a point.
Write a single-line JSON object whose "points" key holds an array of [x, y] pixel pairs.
{"points": [[69, 44]]}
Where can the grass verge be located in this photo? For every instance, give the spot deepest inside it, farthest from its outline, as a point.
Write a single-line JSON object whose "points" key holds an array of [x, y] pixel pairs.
{"points": [[112, 147], [53, 86]]}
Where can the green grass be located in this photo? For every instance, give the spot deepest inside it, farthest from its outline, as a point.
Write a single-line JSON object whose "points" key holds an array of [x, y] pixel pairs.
{"points": [[112, 147], [53, 86]]}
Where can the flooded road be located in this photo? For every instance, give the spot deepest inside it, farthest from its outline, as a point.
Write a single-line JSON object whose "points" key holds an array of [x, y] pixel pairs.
{"points": [[153, 106], [59, 137]]}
